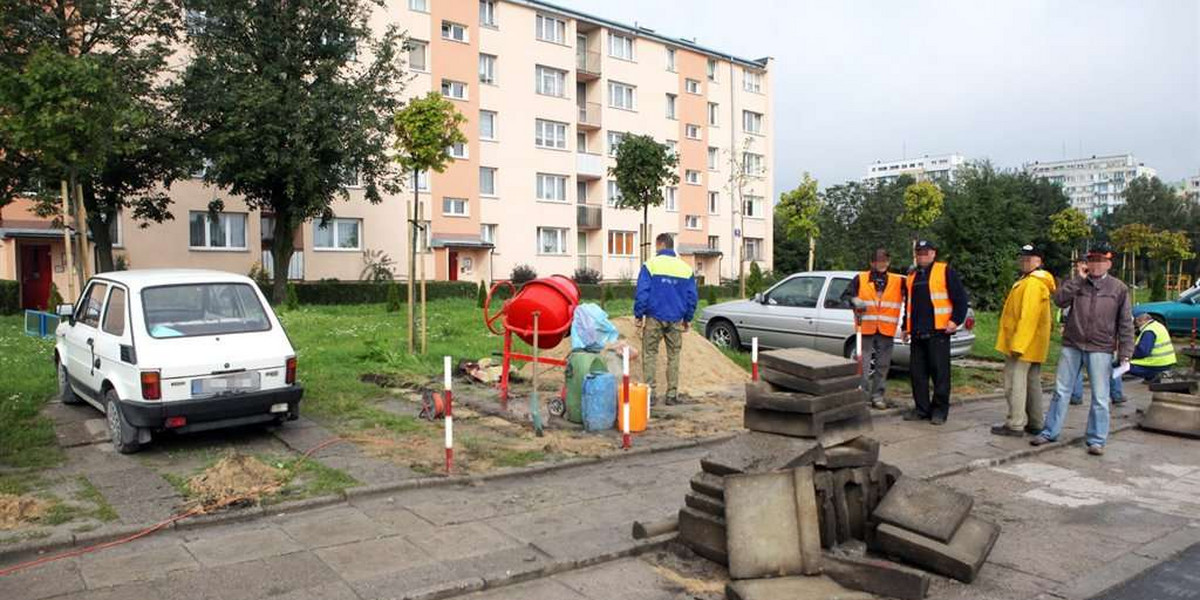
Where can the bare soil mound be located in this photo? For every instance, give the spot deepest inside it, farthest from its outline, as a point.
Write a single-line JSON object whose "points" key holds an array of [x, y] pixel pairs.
{"points": [[235, 479], [16, 511]]}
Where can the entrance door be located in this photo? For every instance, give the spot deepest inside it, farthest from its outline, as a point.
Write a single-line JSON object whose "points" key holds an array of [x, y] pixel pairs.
{"points": [[36, 275], [453, 266]]}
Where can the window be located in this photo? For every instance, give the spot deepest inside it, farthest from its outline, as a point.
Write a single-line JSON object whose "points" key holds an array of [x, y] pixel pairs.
{"points": [[614, 139], [454, 207], [692, 86], [833, 296], [487, 125], [550, 82], [458, 150], [614, 193], [692, 177], [418, 54], [622, 96], [114, 313], [337, 234], [550, 29], [669, 199], [454, 32], [550, 134], [671, 59], [752, 250], [713, 110], [713, 158], [620, 46], [202, 309], [487, 69], [752, 81], [752, 164], [223, 230], [552, 240], [672, 146], [115, 231], [692, 131], [551, 187], [419, 5], [799, 292], [194, 21], [454, 89], [671, 106], [752, 122], [88, 311], [622, 243], [691, 221], [752, 206], [714, 242], [487, 13], [712, 69], [487, 181], [714, 203], [422, 181]]}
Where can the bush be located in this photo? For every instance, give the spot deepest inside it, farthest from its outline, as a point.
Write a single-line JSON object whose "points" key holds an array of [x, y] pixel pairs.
{"points": [[353, 292], [293, 300], [10, 297], [755, 281], [393, 298], [481, 297], [55, 298], [522, 274], [711, 297], [606, 296], [1158, 286], [585, 275]]}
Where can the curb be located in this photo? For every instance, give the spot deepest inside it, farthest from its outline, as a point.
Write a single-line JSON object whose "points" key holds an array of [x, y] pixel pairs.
{"points": [[987, 463]]}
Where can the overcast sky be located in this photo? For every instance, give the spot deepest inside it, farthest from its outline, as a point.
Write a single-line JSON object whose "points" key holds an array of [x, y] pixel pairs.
{"points": [[1012, 81]]}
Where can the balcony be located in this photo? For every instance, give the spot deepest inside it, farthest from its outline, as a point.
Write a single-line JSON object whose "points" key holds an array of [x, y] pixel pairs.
{"points": [[587, 65], [588, 217], [589, 166], [591, 261], [589, 116]]}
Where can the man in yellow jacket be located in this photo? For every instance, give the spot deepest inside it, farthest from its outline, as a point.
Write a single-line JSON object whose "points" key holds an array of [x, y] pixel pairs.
{"points": [[1024, 339]]}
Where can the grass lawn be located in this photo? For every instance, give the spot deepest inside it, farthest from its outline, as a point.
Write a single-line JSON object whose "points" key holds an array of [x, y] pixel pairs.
{"points": [[987, 325], [26, 382]]}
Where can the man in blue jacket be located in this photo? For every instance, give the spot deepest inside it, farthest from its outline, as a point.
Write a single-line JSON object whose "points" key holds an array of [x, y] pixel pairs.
{"points": [[663, 307]]}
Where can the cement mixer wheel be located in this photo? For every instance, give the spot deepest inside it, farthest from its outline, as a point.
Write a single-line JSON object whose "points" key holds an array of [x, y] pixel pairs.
{"points": [[558, 407], [490, 319]]}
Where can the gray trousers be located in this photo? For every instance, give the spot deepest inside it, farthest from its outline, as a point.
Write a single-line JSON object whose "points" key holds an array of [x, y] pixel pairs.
{"points": [[1023, 388], [877, 359]]}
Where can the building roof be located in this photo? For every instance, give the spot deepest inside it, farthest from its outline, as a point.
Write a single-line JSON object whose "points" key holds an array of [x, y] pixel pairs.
{"points": [[757, 63]]}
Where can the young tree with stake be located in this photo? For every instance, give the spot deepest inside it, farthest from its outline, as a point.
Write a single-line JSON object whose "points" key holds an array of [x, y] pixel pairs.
{"points": [[644, 167]]}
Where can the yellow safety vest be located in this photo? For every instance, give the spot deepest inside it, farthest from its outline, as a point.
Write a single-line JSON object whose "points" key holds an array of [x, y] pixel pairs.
{"points": [[883, 313], [1163, 353], [939, 296]]}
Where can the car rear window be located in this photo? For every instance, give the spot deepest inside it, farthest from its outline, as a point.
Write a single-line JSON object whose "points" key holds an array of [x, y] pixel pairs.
{"points": [[202, 309]]}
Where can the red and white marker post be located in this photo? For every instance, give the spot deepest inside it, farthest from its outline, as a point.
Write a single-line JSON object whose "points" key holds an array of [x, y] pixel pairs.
{"points": [[754, 359], [449, 416], [626, 443]]}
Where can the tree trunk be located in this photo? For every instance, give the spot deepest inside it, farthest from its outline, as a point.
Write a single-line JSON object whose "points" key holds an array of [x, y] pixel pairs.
{"points": [[421, 268], [281, 256], [412, 260], [645, 232], [98, 223], [80, 232], [812, 251], [68, 245]]}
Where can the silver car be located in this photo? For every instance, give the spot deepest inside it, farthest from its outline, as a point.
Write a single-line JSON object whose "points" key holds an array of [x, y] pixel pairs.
{"points": [[805, 311]]}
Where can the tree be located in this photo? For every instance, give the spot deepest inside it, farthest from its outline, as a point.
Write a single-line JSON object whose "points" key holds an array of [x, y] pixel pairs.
{"points": [[757, 281], [1068, 226], [922, 206], [1129, 240], [284, 112], [800, 209], [643, 168], [425, 128]]}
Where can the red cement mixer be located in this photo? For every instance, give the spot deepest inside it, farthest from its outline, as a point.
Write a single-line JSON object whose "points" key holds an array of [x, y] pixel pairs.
{"points": [[553, 299]]}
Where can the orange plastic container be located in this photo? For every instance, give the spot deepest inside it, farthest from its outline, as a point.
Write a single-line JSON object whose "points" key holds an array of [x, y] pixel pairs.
{"points": [[639, 407]]}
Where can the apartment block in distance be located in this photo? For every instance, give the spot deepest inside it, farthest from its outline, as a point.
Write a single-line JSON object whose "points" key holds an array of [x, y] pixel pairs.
{"points": [[548, 93], [1095, 185], [927, 168]]}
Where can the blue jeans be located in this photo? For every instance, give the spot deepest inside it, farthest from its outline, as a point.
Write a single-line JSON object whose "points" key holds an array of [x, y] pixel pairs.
{"points": [[1145, 373], [1077, 390], [1070, 363]]}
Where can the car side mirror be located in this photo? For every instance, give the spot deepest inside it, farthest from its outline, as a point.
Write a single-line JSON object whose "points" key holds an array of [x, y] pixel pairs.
{"points": [[1188, 300], [65, 311], [759, 298]]}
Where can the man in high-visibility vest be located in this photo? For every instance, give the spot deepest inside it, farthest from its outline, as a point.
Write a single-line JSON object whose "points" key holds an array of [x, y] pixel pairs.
{"points": [[937, 306], [1153, 353], [1024, 340], [877, 297], [663, 306]]}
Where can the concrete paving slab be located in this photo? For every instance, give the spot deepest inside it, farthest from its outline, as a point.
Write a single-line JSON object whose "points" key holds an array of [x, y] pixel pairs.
{"points": [[628, 579], [1173, 413], [1026, 546], [132, 485], [960, 559], [877, 576], [461, 541], [390, 513], [589, 545], [996, 582], [430, 580], [128, 564], [332, 526], [539, 589], [705, 504], [763, 395], [823, 484], [704, 534], [764, 535], [806, 425], [923, 507], [250, 580], [241, 546], [709, 484], [859, 452], [791, 588], [819, 387], [132, 591], [328, 591], [853, 499], [808, 519], [754, 452], [52, 579], [807, 363], [841, 432], [1176, 578], [373, 558]]}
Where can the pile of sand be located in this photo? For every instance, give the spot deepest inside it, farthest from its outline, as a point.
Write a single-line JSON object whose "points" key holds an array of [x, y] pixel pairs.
{"points": [[16, 511], [703, 369], [235, 479]]}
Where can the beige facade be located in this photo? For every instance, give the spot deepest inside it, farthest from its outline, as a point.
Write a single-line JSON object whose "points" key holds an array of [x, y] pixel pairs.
{"points": [[543, 90]]}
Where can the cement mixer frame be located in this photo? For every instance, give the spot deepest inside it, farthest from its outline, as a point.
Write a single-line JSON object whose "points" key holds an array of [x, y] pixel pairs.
{"points": [[526, 333]]}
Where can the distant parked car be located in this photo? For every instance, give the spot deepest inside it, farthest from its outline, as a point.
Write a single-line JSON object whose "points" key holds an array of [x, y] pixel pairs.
{"points": [[1176, 314], [179, 350], [805, 310]]}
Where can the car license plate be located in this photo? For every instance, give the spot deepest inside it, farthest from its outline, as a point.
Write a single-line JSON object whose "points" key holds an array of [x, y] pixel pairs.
{"points": [[226, 384]]}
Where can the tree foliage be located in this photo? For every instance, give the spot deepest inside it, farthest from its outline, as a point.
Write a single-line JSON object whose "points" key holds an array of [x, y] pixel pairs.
{"points": [[425, 130], [643, 168], [1068, 226], [800, 208], [923, 202]]}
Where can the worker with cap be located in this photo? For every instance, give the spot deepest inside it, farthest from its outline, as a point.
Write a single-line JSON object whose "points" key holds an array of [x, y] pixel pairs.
{"points": [[877, 297], [1024, 340], [1153, 354], [1101, 319], [937, 307], [663, 306]]}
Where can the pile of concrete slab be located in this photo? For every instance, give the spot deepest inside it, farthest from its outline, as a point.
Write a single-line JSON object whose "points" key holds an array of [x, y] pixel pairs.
{"points": [[1175, 413], [790, 505]]}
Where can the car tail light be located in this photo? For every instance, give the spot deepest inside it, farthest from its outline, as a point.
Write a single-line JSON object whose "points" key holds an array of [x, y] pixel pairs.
{"points": [[176, 422], [151, 385], [290, 376], [970, 324]]}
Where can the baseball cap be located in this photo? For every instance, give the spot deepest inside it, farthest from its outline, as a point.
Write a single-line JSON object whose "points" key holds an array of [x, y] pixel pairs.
{"points": [[1100, 250], [926, 245], [1031, 250]]}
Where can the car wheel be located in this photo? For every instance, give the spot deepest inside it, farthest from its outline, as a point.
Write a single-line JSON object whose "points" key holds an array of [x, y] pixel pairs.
{"points": [[124, 436], [723, 334], [66, 394]]}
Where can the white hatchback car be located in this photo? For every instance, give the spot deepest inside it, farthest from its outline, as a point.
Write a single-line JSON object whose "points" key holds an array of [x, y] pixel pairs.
{"points": [[175, 349]]}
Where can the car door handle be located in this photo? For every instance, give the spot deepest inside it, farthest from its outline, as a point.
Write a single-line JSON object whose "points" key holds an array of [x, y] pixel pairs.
{"points": [[91, 341], [96, 364]]}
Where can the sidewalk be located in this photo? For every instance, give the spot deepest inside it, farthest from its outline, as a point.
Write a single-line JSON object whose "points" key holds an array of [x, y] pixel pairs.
{"points": [[436, 542]]}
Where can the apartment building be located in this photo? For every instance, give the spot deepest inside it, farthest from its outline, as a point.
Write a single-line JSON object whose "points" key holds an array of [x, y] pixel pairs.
{"points": [[1094, 185], [1191, 188], [548, 93], [927, 168]]}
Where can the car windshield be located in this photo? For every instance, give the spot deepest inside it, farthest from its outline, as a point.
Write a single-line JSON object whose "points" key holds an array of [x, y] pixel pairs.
{"points": [[1192, 294], [203, 309]]}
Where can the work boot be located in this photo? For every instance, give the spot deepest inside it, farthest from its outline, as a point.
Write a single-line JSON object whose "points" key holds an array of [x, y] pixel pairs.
{"points": [[1040, 441], [1076, 401], [1004, 430], [1120, 400], [1095, 449], [1031, 430], [879, 404], [672, 401], [913, 415], [938, 420]]}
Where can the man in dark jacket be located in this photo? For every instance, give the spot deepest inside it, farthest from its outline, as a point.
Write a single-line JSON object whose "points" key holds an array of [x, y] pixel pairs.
{"points": [[937, 307], [663, 306], [1100, 320]]}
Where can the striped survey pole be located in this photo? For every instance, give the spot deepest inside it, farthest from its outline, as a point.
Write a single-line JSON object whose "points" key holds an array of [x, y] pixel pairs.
{"points": [[754, 359], [449, 415], [625, 441]]}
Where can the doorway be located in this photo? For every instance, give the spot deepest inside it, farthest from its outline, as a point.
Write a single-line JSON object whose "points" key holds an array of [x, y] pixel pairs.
{"points": [[36, 276], [453, 265]]}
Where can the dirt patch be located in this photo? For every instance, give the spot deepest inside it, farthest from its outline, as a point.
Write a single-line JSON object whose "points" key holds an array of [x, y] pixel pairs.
{"points": [[235, 479], [697, 577], [16, 511]]}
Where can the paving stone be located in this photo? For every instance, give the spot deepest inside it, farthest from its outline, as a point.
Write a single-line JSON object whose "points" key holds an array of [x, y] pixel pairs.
{"points": [[128, 564], [461, 541], [709, 484], [627, 579], [240, 546], [754, 452], [932, 510], [960, 559], [590, 545], [251, 580], [859, 452], [807, 363], [791, 588], [819, 387], [539, 589], [704, 534], [332, 526], [804, 425], [132, 485], [877, 576], [823, 483], [705, 504], [373, 558], [53, 579], [808, 519], [130, 591], [760, 394], [1173, 413], [423, 581], [764, 535], [883, 477]]}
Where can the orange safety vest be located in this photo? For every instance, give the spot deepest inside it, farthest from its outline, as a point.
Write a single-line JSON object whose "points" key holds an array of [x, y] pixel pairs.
{"points": [[939, 296], [883, 313]]}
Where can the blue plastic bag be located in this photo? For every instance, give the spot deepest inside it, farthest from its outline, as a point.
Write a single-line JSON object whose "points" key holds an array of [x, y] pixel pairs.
{"points": [[590, 329]]}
